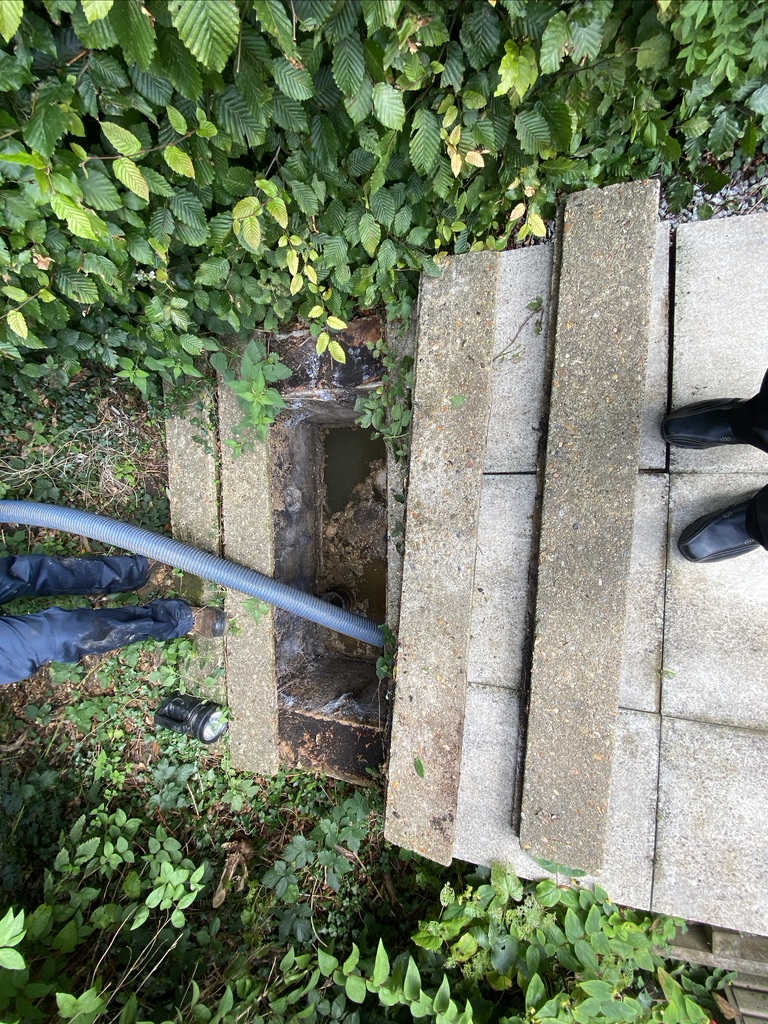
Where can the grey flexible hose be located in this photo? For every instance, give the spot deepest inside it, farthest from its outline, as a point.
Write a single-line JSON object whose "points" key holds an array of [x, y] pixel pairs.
{"points": [[193, 560]]}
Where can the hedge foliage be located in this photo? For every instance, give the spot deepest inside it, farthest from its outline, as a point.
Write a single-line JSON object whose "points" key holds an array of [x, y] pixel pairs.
{"points": [[176, 171]]}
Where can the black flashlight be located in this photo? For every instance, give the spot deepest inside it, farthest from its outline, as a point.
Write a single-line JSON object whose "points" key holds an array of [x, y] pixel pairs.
{"points": [[202, 719]]}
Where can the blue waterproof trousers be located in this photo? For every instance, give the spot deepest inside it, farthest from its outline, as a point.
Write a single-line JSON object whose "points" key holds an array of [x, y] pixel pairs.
{"points": [[59, 634]]}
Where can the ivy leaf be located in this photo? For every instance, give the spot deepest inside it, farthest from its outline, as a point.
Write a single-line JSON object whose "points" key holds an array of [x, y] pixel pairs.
{"points": [[128, 173], [95, 10], [553, 43], [349, 64], [122, 140], [135, 31], [388, 105], [354, 985], [17, 323], [294, 82], [370, 233], [11, 959], [425, 141], [11, 13], [179, 161], [208, 28]]}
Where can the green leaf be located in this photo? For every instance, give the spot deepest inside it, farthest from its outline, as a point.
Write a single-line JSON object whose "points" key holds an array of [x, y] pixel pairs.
{"points": [[518, 69], [78, 220], [187, 208], [179, 161], [95, 10], [326, 962], [574, 929], [654, 52], [275, 21], [11, 13], [122, 140], [388, 105], [724, 133], [535, 994], [425, 141], [758, 101], [135, 30], [418, 767], [208, 28], [349, 64], [695, 126], [586, 33], [532, 131], [442, 998], [480, 34], [45, 127], [360, 104], [370, 233], [177, 119], [18, 325], [586, 955], [11, 959], [76, 286], [553, 43], [412, 983], [387, 257], [356, 988], [381, 965], [294, 82], [128, 173]]}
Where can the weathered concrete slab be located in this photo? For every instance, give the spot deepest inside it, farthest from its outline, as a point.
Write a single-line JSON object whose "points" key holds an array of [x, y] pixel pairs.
{"points": [[192, 447], [744, 947], [500, 590], [250, 652], [644, 624], [516, 420], [713, 819], [450, 423], [653, 450], [715, 646], [721, 309], [593, 446], [488, 779]]}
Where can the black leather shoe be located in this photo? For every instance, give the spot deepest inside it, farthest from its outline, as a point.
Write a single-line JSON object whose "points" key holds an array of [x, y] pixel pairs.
{"points": [[719, 535], [703, 424]]}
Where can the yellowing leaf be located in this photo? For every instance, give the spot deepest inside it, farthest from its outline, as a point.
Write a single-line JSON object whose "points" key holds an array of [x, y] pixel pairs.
{"points": [[517, 212], [315, 312], [125, 170], [17, 323], [297, 283], [335, 323], [179, 161], [311, 273], [323, 340], [475, 157], [125, 142], [455, 162], [537, 225], [279, 211], [337, 352]]}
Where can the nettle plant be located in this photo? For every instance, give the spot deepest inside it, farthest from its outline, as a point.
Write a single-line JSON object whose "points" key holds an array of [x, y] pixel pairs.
{"points": [[173, 172]]}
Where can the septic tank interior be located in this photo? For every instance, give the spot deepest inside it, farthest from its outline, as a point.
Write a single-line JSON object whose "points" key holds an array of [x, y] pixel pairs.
{"points": [[329, 501]]}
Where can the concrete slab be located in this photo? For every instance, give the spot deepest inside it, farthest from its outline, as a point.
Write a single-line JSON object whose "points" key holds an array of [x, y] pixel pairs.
{"points": [[653, 450], [721, 308], [593, 445], [486, 796], [713, 819], [715, 645], [450, 423], [500, 590], [250, 647], [516, 420], [640, 683]]}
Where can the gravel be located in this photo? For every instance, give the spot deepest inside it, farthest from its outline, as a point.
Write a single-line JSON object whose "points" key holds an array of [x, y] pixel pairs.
{"points": [[746, 192]]}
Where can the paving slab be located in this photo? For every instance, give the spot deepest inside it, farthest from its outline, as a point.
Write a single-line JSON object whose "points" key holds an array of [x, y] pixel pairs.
{"points": [[713, 819], [715, 645], [721, 309], [450, 421], [517, 416], [250, 647], [653, 450], [640, 682], [499, 619], [598, 393], [485, 831]]}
